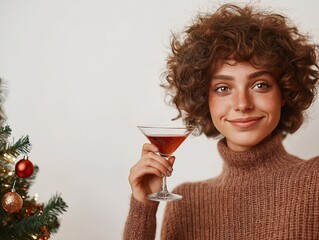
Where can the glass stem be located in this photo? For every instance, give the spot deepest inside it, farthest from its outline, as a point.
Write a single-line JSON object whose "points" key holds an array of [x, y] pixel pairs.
{"points": [[164, 186]]}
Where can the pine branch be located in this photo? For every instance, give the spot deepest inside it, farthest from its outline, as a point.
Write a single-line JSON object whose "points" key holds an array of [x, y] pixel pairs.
{"points": [[56, 205], [34, 220], [5, 132], [22, 146], [47, 217]]}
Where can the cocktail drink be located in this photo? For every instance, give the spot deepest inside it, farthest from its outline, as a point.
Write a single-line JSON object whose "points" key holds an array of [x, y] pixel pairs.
{"points": [[167, 139]]}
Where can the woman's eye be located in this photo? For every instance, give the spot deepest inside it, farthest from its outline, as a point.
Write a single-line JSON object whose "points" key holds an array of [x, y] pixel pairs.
{"points": [[261, 86], [221, 89]]}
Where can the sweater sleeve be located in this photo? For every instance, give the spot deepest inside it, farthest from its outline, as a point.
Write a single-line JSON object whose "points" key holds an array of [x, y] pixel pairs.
{"points": [[141, 221]]}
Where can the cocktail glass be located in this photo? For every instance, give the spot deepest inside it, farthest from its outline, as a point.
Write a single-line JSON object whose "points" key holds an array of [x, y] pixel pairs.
{"points": [[167, 139]]}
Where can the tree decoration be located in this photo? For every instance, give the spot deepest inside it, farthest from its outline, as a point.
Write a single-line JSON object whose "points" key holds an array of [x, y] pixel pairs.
{"points": [[22, 217], [12, 202], [24, 168]]}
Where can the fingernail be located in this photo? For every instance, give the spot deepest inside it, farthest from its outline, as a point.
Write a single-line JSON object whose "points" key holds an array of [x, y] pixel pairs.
{"points": [[170, 169], [168, 173]]}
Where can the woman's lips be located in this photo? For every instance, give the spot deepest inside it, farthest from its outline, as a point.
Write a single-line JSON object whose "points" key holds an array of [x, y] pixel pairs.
{"points": [[245, 122]]}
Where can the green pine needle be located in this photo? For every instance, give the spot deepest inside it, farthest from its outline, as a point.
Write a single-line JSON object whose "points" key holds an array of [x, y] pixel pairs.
{"points": [[24, 225], [5, 132], [47, 217], [22, 146]]}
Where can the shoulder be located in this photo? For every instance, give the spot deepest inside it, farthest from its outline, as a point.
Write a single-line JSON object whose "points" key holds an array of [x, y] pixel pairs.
{"points": [[315, 159], [306, 172], [305, 180], [311, 165]]}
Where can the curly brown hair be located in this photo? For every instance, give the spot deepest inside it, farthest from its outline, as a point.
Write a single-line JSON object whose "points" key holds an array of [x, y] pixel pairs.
{"points": [[243, 34]]}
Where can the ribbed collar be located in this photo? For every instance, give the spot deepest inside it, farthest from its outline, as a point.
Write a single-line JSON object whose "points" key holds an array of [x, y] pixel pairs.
{"points": [[267, 156]]}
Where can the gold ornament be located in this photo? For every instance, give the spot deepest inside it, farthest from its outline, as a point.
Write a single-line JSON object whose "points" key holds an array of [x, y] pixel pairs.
{"points": [[12, 202]]}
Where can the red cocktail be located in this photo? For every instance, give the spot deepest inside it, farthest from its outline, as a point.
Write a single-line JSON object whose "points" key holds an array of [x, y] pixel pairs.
{"points": [[167, 139], [166, 144]]}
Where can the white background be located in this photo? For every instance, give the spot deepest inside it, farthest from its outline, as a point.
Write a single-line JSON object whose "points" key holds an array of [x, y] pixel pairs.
{"points": [[82, 74]]}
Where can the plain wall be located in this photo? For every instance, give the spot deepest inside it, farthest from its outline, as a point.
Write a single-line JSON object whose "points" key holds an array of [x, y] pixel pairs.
{"points": [[82, 74]]}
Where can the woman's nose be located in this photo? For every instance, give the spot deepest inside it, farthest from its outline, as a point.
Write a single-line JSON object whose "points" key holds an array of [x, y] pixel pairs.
{"points": [[243, 101]]}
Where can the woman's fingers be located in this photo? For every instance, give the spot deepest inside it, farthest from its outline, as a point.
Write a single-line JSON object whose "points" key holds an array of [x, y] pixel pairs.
{"points": [[151, 156], [147, 147], [171, 160], [150, 151], [152, 160], [145, 176], [146, 170], [151, 163]]}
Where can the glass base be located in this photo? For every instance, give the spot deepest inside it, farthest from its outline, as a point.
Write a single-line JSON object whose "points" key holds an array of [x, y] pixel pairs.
{"points": [[164, 196]]}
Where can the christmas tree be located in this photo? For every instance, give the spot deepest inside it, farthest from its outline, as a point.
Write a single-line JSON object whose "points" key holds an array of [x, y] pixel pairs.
{"points": [[22, 217]]}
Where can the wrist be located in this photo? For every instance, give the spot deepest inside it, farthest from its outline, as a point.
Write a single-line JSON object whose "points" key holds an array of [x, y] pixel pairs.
{"points": [[141, 198]]}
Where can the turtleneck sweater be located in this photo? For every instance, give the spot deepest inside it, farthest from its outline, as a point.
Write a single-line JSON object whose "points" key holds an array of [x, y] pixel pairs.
{"points": [[261, 193]]}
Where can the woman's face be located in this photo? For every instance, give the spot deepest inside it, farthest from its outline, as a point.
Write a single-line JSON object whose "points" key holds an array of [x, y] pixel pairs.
{"points": [[245, 104]]}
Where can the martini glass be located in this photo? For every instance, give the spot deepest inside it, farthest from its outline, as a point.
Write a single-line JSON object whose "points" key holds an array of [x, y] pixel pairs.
{"points": [[167, 139]]}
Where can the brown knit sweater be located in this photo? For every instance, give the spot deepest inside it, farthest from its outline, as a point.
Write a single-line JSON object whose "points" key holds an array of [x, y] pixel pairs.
{"points": [[263, 193]]}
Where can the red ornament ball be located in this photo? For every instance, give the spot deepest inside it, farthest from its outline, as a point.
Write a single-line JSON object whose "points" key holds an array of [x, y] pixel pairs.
{"points": [[12, 202], [24, 168]]}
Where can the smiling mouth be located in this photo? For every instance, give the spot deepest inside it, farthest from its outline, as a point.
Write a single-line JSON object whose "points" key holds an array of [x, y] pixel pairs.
{"points": [[245, 122]]}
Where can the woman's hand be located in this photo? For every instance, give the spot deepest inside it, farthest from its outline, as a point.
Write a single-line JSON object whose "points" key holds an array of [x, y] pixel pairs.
{"points": [[146, 175]]}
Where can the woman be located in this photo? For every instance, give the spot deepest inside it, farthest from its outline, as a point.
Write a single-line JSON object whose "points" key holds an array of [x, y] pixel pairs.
{"points": [[247, 76]]}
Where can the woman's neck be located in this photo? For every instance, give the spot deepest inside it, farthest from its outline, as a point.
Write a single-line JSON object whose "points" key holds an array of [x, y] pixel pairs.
{"points": [[270, 155]]}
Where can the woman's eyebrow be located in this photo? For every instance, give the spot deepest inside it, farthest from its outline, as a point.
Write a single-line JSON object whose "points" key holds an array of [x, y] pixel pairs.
{"points": [[259, 74], [222, 77], [250, 76]]}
